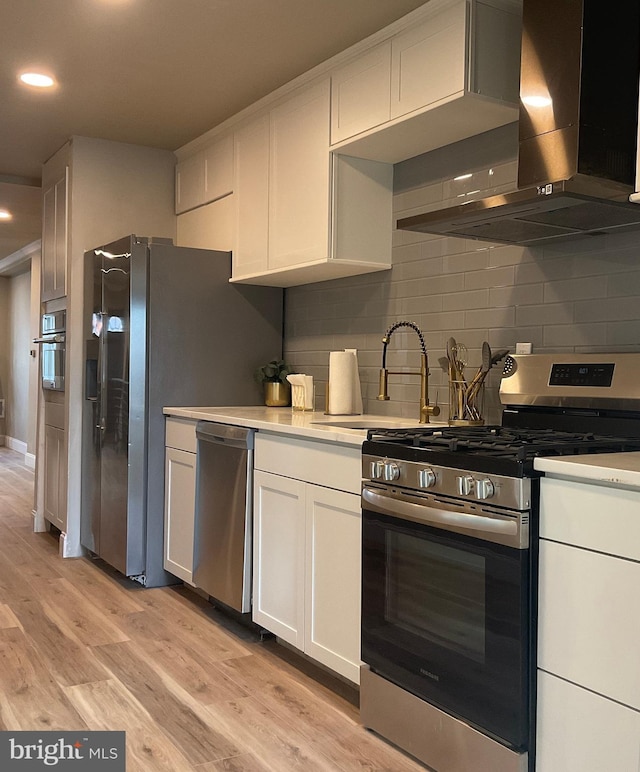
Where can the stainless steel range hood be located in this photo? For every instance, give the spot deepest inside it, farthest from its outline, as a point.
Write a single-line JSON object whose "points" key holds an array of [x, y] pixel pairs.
{"points": [[578, 131]]}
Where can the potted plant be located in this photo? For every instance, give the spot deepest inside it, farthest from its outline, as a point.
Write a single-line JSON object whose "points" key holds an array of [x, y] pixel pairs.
{"points": [[273, 376]]}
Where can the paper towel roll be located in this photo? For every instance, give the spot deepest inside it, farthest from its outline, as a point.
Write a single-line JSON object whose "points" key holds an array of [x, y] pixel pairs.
{"points": [[341, 384]]}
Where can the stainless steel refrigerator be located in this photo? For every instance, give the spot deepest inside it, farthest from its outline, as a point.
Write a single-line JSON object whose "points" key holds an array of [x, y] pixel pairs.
{"points": [[163, 327]]}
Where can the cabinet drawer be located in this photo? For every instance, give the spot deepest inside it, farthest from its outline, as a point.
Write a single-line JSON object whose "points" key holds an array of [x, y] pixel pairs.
{"points": [[54, 414], [589, 620], [591, 516], [323, 463], [181, 434], [579, 731]]}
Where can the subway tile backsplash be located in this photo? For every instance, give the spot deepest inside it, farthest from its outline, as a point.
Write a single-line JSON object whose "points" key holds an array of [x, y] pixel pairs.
{"points": [[582, 295]]}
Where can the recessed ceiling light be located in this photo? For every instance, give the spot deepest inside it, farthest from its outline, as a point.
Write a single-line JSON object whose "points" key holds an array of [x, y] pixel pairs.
{"points": [[5, 215], [37, 79]]}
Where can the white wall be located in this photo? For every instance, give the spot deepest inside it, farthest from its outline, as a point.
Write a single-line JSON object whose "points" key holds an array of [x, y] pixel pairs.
{"points": [[17, 407], [116, 189], [4, 347], [34, 364]]}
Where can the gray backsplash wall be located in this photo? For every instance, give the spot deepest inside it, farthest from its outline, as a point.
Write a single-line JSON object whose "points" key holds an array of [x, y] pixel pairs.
{"points": [[577, 296]]}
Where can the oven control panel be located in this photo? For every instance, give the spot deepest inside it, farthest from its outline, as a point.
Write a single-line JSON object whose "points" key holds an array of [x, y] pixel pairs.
{"points": [[512, 492]]}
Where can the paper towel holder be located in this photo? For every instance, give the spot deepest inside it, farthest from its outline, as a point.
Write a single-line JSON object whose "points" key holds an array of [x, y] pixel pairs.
{"points": [[426, 410]]}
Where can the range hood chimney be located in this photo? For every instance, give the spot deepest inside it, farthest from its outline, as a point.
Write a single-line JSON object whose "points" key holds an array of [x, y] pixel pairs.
{"points": [[578, 131]]}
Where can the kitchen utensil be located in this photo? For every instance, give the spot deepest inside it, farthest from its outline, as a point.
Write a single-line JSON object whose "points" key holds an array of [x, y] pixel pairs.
{"points": [[478, 379], [501, 354], [451, 348]]}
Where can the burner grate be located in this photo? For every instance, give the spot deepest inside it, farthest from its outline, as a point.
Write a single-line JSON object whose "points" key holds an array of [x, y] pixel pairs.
{"points": [[504, 442]]}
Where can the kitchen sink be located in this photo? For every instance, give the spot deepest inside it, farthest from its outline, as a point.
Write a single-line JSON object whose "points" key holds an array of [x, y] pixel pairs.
{"points": [[365, 424]]}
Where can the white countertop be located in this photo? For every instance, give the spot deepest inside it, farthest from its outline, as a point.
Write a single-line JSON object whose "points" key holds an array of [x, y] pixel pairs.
{"points": [[609, 468], [313, 425]]}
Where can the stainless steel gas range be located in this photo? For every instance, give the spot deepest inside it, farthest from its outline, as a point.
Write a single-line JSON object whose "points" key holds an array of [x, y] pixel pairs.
{"points": [[450, 545]]}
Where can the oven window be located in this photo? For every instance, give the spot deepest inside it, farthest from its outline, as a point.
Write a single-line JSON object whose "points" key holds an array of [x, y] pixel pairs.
{"points": [[52, 358], [437, 593]]}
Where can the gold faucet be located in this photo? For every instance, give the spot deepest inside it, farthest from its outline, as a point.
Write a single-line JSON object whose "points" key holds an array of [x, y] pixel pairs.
{"points": [[426, 410]]}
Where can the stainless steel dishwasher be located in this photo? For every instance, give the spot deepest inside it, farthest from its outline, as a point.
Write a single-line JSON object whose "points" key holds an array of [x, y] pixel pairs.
{"points": [[224, 479]]}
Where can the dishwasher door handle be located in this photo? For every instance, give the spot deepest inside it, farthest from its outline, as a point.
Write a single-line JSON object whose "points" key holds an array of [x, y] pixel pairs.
{"points": [[224, 434]]}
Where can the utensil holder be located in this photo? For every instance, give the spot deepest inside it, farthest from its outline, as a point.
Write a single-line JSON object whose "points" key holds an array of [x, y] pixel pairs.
{"points": [[466, 403]]}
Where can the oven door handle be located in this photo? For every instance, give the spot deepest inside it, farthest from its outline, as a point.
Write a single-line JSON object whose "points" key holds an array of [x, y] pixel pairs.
{"points": [[496, 528]]}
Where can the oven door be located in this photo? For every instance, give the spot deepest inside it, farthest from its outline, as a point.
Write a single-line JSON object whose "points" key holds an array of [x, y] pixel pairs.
{"points": [[445, 606], [52, 361]]}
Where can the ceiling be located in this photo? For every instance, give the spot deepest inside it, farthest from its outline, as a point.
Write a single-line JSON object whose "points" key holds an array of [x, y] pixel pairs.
{"points": [[150, 72]]}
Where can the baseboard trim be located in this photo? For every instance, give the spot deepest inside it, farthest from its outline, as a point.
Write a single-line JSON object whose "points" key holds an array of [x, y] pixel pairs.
{"points": [[30, 460], [18, 445]]}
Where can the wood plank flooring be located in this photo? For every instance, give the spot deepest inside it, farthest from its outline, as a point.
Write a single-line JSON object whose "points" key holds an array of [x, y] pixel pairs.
{"points": [[83, 648]]}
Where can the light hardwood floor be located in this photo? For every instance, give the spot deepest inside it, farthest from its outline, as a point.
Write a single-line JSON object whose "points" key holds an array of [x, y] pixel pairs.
{"points": [[83, 648]]}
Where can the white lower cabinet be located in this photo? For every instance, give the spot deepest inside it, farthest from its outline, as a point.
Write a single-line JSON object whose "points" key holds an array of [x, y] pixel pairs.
{"points": [[278, 556], [581, 731], [589, 627], [306, 559], [55, 476], [179, 497], [332, 579]]}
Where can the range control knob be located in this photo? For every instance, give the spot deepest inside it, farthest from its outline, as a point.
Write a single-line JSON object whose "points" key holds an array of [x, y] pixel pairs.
{"points": [[465, 484], [391, 471], [376, 470], [484, 488], [426, 478]]}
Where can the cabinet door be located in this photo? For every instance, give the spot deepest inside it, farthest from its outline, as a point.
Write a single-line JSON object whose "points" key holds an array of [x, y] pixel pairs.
{"points": [[218, 169], [361, 93], [429, 62], [179, 512], [55, 476], [54, 240], [579, 731], [332, 584], [278, 556], [48, 241], [251, 194], [299, 179], [190, 183]]}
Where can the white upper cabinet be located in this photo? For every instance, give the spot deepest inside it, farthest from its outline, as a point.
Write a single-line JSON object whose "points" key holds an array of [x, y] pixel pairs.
{"points": [[190, 183], [218, 169], [451, 74], [55, 197], [428, 61], [205, 176], [361, 94], [310, 166], [299, 179], [303, 214], [251, 182]]}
